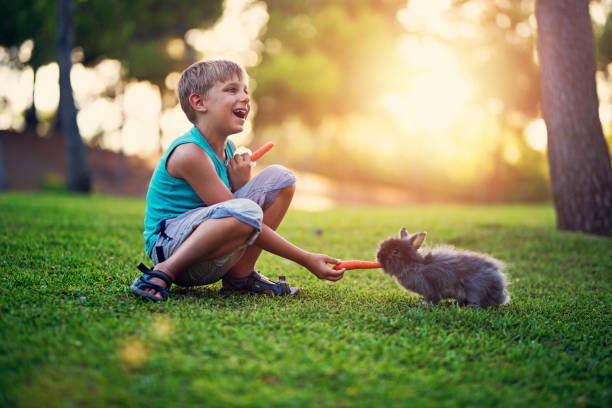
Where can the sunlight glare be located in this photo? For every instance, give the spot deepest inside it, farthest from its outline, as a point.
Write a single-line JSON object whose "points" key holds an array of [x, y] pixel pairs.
{"points": [[603, 82], [172, 80], [86, 84], [141, 100], [437, 93], [142, 107], [109, 71], [162, 328], [472, 10], [503, 21], [235, 35], [103, 115], [176, 48], [46, 88], [17, 87], [6, 120], [434, 101], [25, 51], [133, 353], [173, 122], [536, 135], [512, 154], [599, 11], [426, 53], [425, 16]]}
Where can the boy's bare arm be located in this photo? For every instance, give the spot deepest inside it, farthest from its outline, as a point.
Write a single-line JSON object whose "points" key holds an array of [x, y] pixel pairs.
{"points": [[190, 163], [271, 241]]}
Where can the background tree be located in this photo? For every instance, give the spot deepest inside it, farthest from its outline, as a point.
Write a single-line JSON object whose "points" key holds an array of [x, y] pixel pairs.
{"points": [[30, 20], [320, 57], [136, 33], [327, 59], [579, 160], [4, 185], [77, 168]]}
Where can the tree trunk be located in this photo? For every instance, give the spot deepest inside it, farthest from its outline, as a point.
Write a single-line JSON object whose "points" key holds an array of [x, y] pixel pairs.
{"points": [[4, 185], [578, 155], [31, 118], [77, 168]]}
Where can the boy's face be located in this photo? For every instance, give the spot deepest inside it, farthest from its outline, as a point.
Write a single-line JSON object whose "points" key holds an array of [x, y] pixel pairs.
{"points": [[228, 105]]}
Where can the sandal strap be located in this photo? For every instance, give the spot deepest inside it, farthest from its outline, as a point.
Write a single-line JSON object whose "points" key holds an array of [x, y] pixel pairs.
{"points": [[244, 283], [156, 274], [254, 283], [284, 286], [238, 283], [143, 282]]}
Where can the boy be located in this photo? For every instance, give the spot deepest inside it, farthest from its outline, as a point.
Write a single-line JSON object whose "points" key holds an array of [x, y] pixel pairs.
{"points": [[206, 219]]}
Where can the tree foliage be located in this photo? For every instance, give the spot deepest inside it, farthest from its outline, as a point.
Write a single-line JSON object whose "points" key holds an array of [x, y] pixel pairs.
{"points": [[320, 57], [501, 57], [327, 57], [134, 32]]}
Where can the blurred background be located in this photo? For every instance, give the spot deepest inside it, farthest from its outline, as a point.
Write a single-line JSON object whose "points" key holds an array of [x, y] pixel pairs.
{"points": [[367, 100]]}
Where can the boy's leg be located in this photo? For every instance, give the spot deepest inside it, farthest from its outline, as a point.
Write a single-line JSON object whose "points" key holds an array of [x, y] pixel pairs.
{"points": [[272, 217], [217, 231], [211, 239]]}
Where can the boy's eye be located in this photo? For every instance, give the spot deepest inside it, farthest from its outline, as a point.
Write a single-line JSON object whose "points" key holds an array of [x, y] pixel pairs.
{"points": [[233, 89]]}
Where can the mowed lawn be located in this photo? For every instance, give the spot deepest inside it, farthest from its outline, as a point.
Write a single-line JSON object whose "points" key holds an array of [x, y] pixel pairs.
{"points": [[73, 335]]}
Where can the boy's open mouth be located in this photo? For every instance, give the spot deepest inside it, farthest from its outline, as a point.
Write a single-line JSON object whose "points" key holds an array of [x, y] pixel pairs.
{"points": [[241, 113]]}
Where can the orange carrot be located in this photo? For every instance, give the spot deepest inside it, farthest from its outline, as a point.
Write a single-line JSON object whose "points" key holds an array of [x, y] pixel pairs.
{"points": [[261, 151], [357, 265]]}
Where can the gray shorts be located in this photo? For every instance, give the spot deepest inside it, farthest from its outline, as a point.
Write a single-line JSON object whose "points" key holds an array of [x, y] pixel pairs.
{"points": [[258, 194]]}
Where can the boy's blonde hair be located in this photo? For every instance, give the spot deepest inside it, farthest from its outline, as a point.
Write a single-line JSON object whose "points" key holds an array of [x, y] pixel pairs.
{"points": [[200, 77]]}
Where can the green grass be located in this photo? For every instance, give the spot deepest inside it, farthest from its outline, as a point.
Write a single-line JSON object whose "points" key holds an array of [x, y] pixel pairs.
{"points": [[72, 334]]}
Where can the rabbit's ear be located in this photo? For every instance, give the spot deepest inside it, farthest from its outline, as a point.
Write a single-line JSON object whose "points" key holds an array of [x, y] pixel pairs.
{"points": [[417, 239], [403, 233]]}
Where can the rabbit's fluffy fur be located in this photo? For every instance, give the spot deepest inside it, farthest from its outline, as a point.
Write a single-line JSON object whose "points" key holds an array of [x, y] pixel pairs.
{"points": [[471, 278]]}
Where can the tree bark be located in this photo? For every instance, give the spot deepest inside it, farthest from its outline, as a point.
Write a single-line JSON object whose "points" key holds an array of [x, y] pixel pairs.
{"points": [[578, 155], [77, 168], [31, 117], [4, 185]]}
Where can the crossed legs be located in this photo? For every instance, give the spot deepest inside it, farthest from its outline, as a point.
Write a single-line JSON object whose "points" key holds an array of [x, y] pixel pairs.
{"points": [[273, 215], [217, 237]]}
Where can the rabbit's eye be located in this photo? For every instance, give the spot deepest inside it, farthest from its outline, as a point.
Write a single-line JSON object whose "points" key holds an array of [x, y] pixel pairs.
{"points": [[395, 252]]}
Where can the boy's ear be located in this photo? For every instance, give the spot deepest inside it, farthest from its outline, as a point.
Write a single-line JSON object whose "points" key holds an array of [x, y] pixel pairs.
{"points": [[198, 102]]}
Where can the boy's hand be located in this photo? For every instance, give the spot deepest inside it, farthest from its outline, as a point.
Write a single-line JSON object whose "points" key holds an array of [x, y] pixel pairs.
{"points": [[239, 170], [318, 265]]}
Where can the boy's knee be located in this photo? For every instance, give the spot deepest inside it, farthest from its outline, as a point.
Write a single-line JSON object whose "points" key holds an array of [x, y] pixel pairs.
{"points": [[245, 211], [280, 173], [290, 189]]}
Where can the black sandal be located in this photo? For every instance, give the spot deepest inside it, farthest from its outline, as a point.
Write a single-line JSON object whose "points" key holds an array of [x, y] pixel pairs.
{"points": [[144, 282], [254, 283]]}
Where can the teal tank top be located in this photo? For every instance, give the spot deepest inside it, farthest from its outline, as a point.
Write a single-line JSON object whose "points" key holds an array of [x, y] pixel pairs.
{"points": [[169, 197]]}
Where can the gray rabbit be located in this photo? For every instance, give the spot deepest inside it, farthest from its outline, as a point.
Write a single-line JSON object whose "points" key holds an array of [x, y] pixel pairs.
{"points": [[471, 278]]}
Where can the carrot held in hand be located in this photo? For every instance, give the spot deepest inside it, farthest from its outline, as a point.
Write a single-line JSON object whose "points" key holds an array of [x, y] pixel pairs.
{"points": [[357, 265], [261, 151]]}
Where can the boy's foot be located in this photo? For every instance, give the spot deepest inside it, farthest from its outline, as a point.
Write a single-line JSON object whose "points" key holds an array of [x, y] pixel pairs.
{"points": [[257, 283], [149, 284]]}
